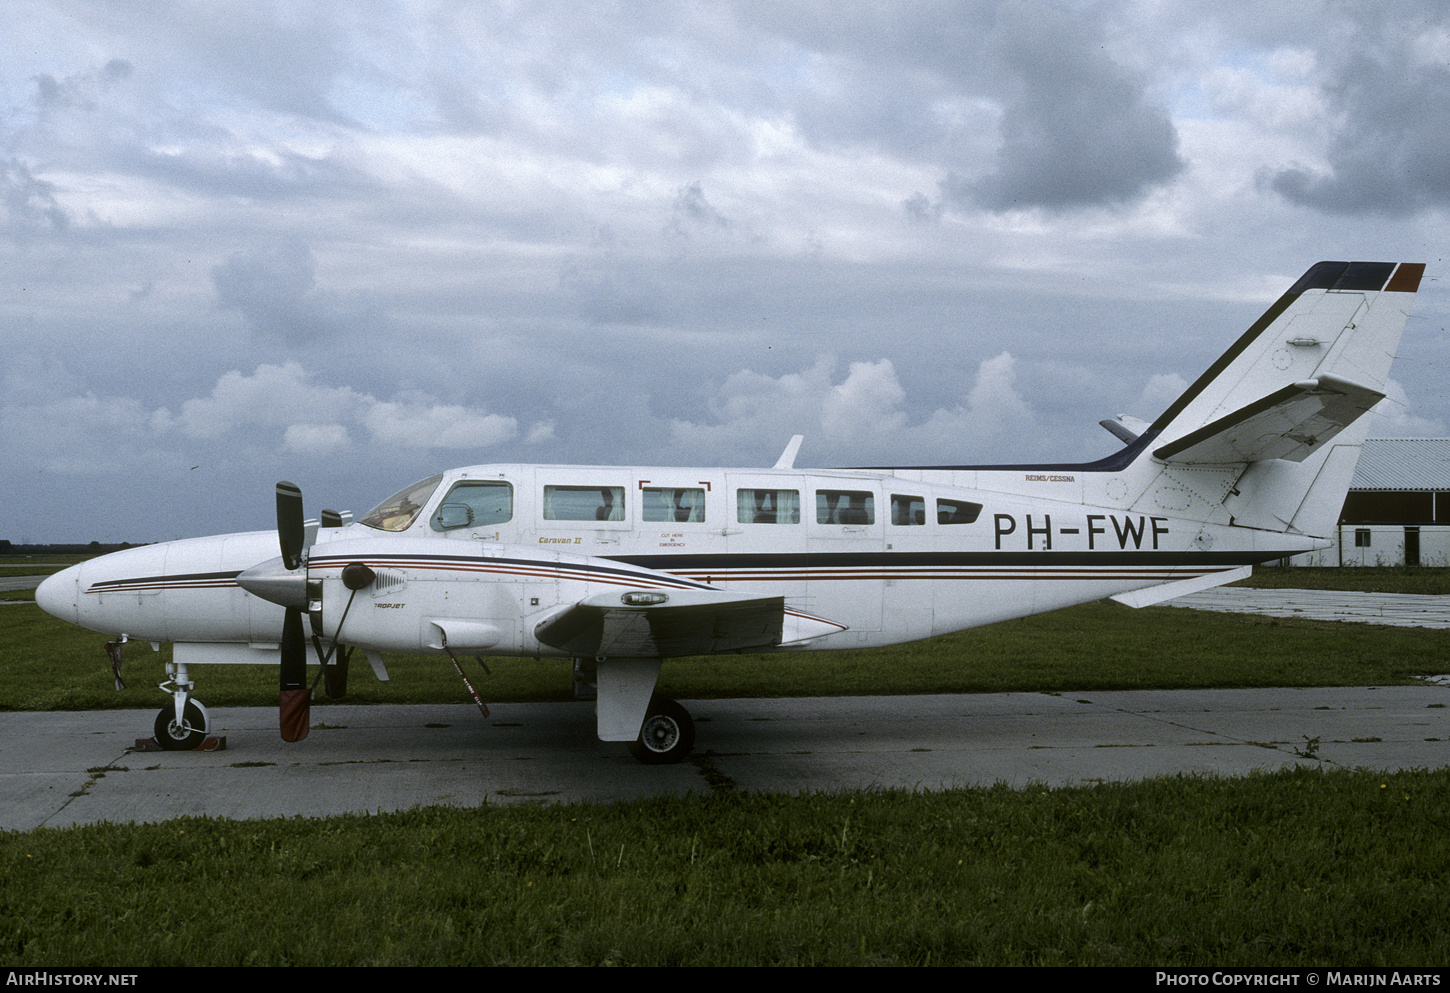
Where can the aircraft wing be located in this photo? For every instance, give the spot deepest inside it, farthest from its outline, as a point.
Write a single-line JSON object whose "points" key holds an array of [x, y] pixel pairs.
{"points": [[682, 622], [1290, 423]]}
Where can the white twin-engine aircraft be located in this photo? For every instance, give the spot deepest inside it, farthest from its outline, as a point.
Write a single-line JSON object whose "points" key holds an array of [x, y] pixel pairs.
{"points": [[620, 568]]}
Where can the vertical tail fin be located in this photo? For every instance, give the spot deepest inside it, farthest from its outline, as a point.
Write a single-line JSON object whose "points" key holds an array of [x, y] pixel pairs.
{"points": [[1284, 407]]}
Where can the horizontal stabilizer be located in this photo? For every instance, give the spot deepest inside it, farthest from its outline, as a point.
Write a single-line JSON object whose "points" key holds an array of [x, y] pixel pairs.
{"points": [[1125, 427], [1291, 423], [654, 624], [1172, 591]]}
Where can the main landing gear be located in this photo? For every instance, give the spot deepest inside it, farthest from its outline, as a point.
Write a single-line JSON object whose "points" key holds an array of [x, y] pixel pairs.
{"points": [[624, 687], [667, 735]]}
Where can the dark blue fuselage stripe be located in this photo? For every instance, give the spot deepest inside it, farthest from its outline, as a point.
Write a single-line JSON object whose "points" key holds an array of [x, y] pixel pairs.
{"points": [[474, 564], [901, 560], [676, 569], [189, 579]]}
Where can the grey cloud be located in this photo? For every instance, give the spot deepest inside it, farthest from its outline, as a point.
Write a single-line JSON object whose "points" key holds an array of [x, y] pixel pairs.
{"points": [[921, 208], [613, 286], [78, 90], [452, 158], [1075, 128], [612, 293], [692, 212], [114, 118], [691, 205], [1078, 131], [287, 59], [281, 173], [116, 69], [275, 289], [1390, 153], [30, 203]]}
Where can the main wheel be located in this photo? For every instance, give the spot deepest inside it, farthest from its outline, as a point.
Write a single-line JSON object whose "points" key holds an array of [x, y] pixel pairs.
{"points": [[667, 735], [176, 737]]}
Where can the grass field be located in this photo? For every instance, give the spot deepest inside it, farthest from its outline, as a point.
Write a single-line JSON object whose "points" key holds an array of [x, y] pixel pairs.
{"points": [[1359, 580], [1297, 868], [51, 665], [1305, 867]]}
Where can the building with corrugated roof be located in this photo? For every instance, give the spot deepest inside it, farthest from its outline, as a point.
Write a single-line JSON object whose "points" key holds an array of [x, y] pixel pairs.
{"points": [[1397, 511]]}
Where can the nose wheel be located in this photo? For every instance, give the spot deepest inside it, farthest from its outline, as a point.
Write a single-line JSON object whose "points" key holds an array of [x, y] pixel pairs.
{"points": [[183, 735], [667, 735]]}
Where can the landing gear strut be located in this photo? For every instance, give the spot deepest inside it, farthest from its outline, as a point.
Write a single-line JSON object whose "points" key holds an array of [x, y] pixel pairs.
{"points": [[667, 735]]}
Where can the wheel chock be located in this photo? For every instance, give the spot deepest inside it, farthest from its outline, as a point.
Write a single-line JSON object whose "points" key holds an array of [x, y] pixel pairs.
{"points": [[212, 743]]}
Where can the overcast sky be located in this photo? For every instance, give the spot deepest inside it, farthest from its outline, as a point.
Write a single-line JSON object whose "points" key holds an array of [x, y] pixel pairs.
{"points": [[352, 243]]}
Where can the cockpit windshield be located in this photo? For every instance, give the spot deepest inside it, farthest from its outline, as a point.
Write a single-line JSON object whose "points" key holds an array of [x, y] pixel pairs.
{"points": [[401, 509]]}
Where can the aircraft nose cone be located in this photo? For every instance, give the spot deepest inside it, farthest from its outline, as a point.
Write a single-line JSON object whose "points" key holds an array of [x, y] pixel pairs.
{"points": [[57, 594]]}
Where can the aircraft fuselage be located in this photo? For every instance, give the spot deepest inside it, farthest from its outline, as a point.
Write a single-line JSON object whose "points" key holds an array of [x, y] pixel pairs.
{"points": [[888, 557]]}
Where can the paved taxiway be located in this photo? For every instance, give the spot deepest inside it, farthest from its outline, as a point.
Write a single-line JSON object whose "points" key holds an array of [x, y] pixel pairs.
{"points": [[1397, 609], [74, 768], [9, 583], [59, 769]]}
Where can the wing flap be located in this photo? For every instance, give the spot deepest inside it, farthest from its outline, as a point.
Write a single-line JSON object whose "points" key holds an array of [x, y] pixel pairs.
{"points": [[1291, 423], [691, 622], [650, 624]]}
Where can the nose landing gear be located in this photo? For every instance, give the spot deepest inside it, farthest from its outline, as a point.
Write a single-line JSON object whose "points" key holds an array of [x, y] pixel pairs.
{"points": [[182, 724]]}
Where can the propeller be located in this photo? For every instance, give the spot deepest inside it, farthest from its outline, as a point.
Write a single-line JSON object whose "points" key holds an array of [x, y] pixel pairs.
{"points": [[284, 581], [294, 702]]}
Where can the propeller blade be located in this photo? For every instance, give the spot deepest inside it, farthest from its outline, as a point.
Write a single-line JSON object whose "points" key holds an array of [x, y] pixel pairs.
{"points": [[294, 708], [291, 533]]}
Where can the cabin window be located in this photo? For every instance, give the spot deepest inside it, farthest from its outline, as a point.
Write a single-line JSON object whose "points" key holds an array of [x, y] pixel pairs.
{"points": [[768, 506], [845, 507], [401, 509], [957, 512], [683, 505], [1361, 537], [583, 503], [474, 504], [907, 509]]}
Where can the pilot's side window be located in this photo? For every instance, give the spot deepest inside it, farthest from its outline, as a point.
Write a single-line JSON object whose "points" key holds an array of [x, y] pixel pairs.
{"points": [[583, 503], [845, 507], [957, 512], [475, 504], [683, 505], [399, 511], [907, 510], [768, 506]]}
